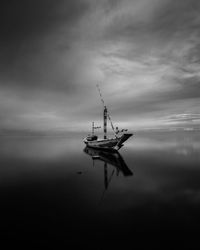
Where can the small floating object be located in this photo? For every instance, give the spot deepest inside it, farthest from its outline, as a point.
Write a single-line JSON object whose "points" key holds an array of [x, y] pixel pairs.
{"points": [[79, 172]]}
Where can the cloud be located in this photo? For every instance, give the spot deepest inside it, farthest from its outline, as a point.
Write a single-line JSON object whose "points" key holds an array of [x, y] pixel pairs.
{"points": [[30, 41], [144, 54]]}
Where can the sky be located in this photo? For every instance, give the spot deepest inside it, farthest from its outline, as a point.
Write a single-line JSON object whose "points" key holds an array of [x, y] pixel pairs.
{"points": [[144, 54]]}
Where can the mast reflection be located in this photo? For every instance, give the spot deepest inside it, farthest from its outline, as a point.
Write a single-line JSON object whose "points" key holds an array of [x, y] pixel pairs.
{"points": [[109, 158]]}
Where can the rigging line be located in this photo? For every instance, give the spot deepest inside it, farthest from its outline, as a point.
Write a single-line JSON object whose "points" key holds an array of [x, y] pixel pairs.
{"points": [[111, 123], [105, 105], [100, 95]]}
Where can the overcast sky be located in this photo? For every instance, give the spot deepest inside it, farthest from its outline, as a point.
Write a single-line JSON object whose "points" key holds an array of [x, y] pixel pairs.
{"points": [[144, 54]]}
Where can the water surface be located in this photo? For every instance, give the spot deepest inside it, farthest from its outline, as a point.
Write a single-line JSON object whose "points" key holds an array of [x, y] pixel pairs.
{"points": [[52, 187]]}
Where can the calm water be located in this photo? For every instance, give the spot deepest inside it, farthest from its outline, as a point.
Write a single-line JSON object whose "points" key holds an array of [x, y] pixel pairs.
{"points": [[51, 188]]}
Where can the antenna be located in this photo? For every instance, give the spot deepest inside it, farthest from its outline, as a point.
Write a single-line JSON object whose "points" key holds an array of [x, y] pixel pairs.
{"points": [[94, 127]]}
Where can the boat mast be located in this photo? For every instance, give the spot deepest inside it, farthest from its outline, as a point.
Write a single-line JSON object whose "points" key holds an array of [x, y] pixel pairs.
{"points": [[92, 128], [105, 114], [105, 122]]}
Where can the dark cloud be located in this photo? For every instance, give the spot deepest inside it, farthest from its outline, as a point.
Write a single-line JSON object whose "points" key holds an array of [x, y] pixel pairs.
{"points": [[160, 18], [23, 19], [28, 30], [145, 54], [28, 18], [177, 16]]}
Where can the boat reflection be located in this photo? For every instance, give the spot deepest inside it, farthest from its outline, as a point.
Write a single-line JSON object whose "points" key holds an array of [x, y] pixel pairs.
{"points": [[109, 158]]}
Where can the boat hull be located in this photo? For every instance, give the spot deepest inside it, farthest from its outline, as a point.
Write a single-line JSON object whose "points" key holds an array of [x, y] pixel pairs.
{"points": [[108, 144]]}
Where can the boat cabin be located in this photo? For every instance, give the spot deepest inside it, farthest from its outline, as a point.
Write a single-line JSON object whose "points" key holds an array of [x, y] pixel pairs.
{"points": [[92, 137]]}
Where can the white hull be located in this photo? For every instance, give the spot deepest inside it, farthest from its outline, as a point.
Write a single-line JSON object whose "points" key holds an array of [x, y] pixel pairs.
{"points": [[112, 143]]}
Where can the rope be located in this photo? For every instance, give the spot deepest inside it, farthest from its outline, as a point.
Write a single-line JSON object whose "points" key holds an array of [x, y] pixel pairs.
{"points": [[111, 123], [100, 94], [101, 97]]}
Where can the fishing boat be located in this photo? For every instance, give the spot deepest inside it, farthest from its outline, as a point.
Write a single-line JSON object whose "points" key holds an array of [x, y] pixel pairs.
{"points": [[111, 144]]}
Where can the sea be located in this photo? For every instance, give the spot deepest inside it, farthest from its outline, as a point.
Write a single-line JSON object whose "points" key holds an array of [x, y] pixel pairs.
{"points": [[54, 189]]}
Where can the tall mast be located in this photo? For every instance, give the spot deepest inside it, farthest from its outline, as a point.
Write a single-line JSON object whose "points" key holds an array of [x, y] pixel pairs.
{"points": [[92, 128], [105, 114], [105, 122]]}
